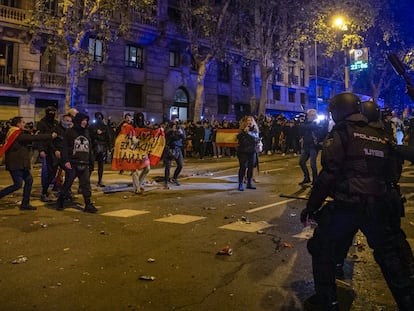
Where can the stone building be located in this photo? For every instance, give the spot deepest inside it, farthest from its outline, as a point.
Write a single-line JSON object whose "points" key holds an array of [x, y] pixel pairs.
{"points": [[149, 72]]}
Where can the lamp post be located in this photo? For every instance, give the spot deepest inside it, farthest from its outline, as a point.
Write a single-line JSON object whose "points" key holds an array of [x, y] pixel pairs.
{"points": [[340, 24], [316, 75]]}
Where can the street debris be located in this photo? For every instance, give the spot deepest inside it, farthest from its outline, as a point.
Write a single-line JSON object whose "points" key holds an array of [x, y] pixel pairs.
{"points": [[411, 223], [42, 225], [245, 220], [306, 233], [231, 204], [280, 244], [66, 249], [150, 260], [225, 251], [260, 232], [20, 259], [292, 215], [210, 208], [147, 277]]}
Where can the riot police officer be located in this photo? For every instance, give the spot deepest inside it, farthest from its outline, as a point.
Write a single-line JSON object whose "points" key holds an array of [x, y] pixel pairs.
{"points": [[354, 159]]}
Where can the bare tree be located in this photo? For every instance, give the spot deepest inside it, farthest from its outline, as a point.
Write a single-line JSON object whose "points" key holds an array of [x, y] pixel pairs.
{"points": [[209, 26], [63, 29]]}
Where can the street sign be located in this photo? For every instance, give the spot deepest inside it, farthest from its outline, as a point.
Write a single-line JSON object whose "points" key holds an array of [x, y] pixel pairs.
{"points": [[358, 59]]}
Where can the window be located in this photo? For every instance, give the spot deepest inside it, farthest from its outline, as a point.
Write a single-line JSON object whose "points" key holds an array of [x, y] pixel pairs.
{"points": [[223, 72], [302, 52], [133, 95], [174, 59], [292, 94], [134, 56], [302, 98], [95, 92], [48, 61], [223, 104], [245, 76], [95, 49], [276, 93], [302, 77], [51, 6]]}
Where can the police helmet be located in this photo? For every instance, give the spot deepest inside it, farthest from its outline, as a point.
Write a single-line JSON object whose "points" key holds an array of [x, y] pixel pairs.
{"points": [[370, 110], [343, 105]]}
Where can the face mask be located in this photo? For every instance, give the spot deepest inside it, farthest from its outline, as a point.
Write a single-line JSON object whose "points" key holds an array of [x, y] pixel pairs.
{"points": [[66, 124]]}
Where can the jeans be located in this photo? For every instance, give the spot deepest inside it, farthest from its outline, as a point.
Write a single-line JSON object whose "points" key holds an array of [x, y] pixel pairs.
{"points": [[246, 165], [18, 177], [179, 161], [312, 153]]}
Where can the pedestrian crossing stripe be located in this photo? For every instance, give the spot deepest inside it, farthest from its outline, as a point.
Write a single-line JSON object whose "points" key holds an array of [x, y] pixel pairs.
{"points": [[125, 213], [247, 226], [180, 219]]}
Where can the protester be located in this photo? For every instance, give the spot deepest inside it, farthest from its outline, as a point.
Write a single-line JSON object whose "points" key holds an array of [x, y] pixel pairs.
{"points": [[17, 159], [174, 136], [138, 179], [247, 138], [100, 142], [77, 157], [46, 151]]}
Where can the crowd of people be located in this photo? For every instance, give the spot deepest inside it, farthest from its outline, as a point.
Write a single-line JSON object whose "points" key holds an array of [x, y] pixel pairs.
{"points": [[361, 165]]}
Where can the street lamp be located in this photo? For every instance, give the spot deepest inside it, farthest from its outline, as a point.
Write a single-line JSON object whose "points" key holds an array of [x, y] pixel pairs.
{"points": [[340, 24]]}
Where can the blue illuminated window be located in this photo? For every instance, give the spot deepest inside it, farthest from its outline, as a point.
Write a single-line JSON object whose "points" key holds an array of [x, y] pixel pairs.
{"points": [[134, 56]]}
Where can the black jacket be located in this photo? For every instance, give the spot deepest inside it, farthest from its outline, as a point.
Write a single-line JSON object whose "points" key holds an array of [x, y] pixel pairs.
{"points": [[18, 156]]}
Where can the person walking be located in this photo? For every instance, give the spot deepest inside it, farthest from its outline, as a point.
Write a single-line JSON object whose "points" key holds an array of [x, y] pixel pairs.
{"points": [[17, 159], [47, 152], [77, 158], [309, 135], [174, 137], [247, 138], [355, 159], [138, 176], [100, 141]]}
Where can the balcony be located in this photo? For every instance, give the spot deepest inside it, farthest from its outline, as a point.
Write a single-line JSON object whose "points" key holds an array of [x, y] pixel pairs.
{"points": [[13, 15], [294, 80], [21, 78], [32, 79]]}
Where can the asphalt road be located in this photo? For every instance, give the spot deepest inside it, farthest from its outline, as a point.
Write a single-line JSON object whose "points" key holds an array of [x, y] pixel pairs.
{"points": [[158, 250]]}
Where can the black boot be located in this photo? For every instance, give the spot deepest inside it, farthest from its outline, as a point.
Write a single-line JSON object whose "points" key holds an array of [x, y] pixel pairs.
{"points": [[250, 184], [314, 303], [90, 208], [60, 203]]}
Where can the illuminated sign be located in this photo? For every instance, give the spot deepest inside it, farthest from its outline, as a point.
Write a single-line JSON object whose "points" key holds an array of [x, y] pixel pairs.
{"points": [[358, 59]]}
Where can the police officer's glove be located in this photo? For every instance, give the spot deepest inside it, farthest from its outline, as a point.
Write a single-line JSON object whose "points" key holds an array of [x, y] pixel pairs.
{"points": [[308, 214]]}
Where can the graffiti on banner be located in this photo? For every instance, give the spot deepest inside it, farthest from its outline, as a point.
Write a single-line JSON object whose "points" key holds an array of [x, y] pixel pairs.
{"points": [[135, 148]]}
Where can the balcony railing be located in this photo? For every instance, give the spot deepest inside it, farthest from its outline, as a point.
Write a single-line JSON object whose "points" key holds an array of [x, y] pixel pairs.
{"points": [[48, 80], [13, 15], [30, 79], [21, 78]]}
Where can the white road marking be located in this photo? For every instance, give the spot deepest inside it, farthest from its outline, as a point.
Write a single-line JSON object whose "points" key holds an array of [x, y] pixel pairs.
{"points": [[253, 210], [236, 175]]}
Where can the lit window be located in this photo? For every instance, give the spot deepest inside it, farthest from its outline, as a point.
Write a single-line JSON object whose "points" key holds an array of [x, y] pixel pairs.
{"points": [[134, 56]]}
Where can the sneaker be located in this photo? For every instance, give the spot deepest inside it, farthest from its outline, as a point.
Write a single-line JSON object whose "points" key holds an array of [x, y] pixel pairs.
{"points": [[314, 304], [175, 181], [100, 185], [89, 208], [44, 198], [28, 208], [241, 187], [166, 187]]}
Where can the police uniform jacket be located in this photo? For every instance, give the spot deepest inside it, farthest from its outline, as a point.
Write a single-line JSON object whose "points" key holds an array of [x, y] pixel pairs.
{"points": [[354, 160]]}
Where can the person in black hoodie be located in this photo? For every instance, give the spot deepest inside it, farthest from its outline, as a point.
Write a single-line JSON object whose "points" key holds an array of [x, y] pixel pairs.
{"points": [[77, 158], [46, 151]]}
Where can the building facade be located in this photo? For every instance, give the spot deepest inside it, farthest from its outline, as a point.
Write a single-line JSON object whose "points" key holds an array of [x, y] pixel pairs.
{"points": [[150, 71]]}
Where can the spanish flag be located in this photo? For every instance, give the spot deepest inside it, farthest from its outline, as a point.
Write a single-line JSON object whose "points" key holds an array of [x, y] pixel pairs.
{"points": [[11, 136], [135, 153], [227, 137]]}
